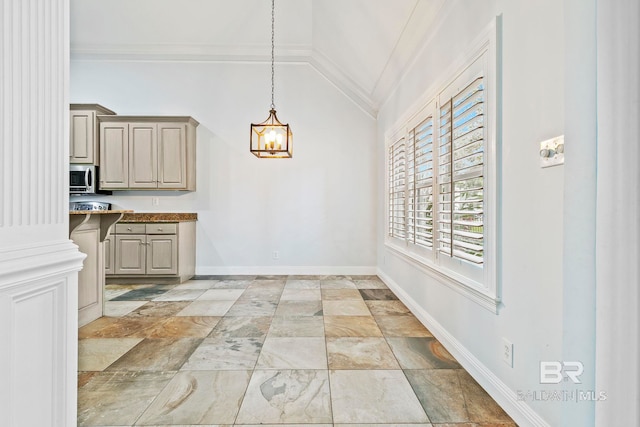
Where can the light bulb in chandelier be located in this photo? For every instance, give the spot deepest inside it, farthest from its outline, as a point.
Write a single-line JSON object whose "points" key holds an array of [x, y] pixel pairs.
{"points": [[271, 136]]}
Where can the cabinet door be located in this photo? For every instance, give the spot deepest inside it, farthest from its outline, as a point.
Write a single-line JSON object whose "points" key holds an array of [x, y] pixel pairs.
{"points": [[172, 156], [82, 135], [109, 249], [89, 283], [131, 254], [162, 254], [114, 153], [143, 156]]}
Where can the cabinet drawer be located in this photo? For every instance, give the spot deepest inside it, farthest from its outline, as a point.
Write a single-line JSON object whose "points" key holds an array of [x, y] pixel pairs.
{"points": [[161, 228], [130, 229]]}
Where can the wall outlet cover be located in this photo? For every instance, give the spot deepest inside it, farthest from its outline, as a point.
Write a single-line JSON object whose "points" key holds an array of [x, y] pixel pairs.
{"points": [[507, 352]]}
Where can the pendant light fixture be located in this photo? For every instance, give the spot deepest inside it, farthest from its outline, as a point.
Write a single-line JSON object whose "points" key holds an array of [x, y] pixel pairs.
{"points": [[272, 139]]}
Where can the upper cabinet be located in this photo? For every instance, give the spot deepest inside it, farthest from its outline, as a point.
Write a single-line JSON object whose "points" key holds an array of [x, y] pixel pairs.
{"points": [[152, 153], [83, 132]]}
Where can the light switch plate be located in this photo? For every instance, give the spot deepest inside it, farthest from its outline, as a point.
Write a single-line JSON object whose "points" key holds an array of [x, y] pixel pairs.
{"points": [[552, 152]]}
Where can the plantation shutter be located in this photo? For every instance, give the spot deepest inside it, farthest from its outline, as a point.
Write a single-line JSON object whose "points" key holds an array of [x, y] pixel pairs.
{"points": [[397, 190], [423, 183], [461, 175], [411, 177]]}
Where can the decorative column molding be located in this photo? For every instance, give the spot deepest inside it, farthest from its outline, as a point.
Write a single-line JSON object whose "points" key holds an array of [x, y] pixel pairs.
{"points": [[38, 262], [34, 70], [618, 213]]}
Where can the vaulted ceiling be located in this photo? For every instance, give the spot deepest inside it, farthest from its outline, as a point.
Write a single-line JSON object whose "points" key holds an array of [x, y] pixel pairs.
{"points": [[362, 46]]}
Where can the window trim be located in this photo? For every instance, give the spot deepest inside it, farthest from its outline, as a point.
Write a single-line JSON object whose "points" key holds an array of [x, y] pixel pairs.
{"points": [[486, 293]]}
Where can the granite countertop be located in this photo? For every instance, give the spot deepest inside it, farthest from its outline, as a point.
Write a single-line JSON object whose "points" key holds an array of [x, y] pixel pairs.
{"points": [[159, 217], [115, 211]]}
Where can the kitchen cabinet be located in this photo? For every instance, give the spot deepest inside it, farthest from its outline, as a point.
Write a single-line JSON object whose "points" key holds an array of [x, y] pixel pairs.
{"points": [[143, 155], [83, 133], [148, 153], [173, 166], [162, 255], [154, 249], [109, 255], [130, 254], [114, 151]]}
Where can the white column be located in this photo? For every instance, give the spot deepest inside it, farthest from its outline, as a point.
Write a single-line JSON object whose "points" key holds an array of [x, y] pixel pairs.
{"points": [[38, 262], [618, 213]]}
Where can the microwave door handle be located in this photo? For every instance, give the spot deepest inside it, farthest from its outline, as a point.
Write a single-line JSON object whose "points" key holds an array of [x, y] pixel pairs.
{"points": [[87, 177]]}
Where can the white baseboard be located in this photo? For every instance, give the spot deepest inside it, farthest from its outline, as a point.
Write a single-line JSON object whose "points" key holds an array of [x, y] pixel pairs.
{"points": [[288, 270], [521, 413]]}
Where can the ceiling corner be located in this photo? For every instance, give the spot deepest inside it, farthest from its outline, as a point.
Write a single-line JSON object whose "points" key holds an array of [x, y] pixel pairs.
{"points": [[350, 88]]}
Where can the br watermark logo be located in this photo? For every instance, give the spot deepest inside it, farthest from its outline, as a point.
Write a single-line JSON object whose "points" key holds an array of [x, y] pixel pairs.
{"points": [[555, 372]]}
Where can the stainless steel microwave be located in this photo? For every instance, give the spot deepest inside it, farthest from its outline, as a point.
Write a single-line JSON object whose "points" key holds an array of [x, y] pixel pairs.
{"points": [[83, 179]]}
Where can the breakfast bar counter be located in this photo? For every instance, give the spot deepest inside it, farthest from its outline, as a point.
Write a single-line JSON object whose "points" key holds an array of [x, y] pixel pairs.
{"points": [[88, 230]]}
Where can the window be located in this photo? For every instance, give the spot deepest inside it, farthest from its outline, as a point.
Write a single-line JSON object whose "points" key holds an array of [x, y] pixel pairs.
{"points": [[441, 170], [460, 207]]}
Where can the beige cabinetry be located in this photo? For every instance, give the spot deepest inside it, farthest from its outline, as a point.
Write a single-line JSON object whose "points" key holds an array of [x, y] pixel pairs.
{"points": [[143, 155], [114, 152], [87, 237], [109, 254], [130, 254], [152, 153], [173, 165], [154, 249], [91, 232], [83, 132]]}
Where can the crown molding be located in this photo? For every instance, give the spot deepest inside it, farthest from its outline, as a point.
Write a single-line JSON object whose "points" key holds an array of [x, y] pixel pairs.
{"points": [[187, 52], [411, 43], [352, 90], [229, 53], [417, 35]]}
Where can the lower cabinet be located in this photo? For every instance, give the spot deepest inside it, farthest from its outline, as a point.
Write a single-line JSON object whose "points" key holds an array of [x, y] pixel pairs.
{"points": [[162, 254], [109, 254], [153, 249]]}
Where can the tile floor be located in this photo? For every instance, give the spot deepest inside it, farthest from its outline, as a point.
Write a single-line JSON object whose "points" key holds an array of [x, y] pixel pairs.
{"points": [[270, 350]]}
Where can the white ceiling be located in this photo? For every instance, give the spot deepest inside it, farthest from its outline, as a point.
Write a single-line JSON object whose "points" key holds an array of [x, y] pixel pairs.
{"points": [[361, 46]]}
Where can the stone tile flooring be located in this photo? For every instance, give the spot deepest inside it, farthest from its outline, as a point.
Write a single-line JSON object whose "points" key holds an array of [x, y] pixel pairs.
{"points": [[270, 350]]}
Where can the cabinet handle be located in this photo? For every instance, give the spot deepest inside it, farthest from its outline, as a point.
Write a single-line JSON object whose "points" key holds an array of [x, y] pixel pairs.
{"points": [[128, 228], [159, 228]]}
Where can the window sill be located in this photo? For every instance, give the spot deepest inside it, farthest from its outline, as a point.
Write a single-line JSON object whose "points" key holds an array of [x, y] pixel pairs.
{"points": [[484, 299]]}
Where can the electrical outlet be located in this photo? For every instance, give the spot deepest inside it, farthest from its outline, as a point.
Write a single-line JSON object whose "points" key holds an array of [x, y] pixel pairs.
{"points": [[276, 255], [155, 201], [507, 352]]}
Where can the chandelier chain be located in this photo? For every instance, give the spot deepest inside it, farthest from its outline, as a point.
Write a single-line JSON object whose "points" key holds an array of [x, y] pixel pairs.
{"points": [[273, 32]]}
